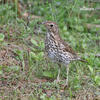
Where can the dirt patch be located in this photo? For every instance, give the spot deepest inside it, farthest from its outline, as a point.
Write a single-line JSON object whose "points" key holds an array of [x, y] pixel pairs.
{"points": [[87, 94], [8, 57]]}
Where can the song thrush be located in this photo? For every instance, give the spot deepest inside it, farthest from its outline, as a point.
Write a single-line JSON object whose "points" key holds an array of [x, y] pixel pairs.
{"points": [[56, 49]]}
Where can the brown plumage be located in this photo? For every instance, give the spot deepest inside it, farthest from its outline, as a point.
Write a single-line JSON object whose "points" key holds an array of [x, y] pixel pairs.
{"points": [[57, 49]]}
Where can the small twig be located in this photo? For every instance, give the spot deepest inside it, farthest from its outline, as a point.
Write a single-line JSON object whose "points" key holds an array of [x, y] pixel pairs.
{"points": [[92, 25], [94, 1], [97, 55]]}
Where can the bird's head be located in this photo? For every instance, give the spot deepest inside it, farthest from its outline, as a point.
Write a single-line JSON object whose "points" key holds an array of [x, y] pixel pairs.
{"points": [[51, 26]]}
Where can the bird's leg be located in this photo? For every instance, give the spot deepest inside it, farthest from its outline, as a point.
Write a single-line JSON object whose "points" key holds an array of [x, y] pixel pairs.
{"points": [[67, 70], [58, 78]]}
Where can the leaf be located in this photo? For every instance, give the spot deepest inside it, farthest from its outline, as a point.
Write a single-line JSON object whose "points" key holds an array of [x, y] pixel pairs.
{"points": [[79, 28], [37, 56], [47, 74], [2, 36], [65, 28], [34, 42], [1, 72], [40, 55], [41, 44], [91, 69], [33, 55], [97, 80], [20, 54], [43, 96]]}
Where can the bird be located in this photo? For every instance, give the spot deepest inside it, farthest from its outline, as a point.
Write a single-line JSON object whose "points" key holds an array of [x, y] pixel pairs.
{"points": [[57, 49]]}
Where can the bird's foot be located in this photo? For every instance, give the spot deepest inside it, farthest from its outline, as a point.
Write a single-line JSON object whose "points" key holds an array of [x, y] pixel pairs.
{"points": [[57, 80], [66, 84]]}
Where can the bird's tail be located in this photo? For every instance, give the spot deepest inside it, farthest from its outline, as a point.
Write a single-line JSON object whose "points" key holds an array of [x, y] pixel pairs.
{"points": [[82, 60], [78, 58]]}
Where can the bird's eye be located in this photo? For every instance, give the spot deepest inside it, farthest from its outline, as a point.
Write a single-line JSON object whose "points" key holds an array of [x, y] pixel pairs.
{"points": [[51, 25]]}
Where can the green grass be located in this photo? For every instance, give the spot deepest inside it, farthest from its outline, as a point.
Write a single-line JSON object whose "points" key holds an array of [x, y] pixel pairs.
{"points": [[25, 72]]}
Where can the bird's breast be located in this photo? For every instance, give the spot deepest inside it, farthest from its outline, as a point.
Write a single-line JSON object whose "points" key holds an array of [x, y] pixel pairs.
{"points": [[50, 48]]}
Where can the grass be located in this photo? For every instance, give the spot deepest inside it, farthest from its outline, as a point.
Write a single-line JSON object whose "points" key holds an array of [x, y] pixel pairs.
{"points": [[25, 72]]}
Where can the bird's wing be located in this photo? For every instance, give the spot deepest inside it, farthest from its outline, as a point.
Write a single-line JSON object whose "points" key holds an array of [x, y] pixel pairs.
{"points": [[67, 48]]}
